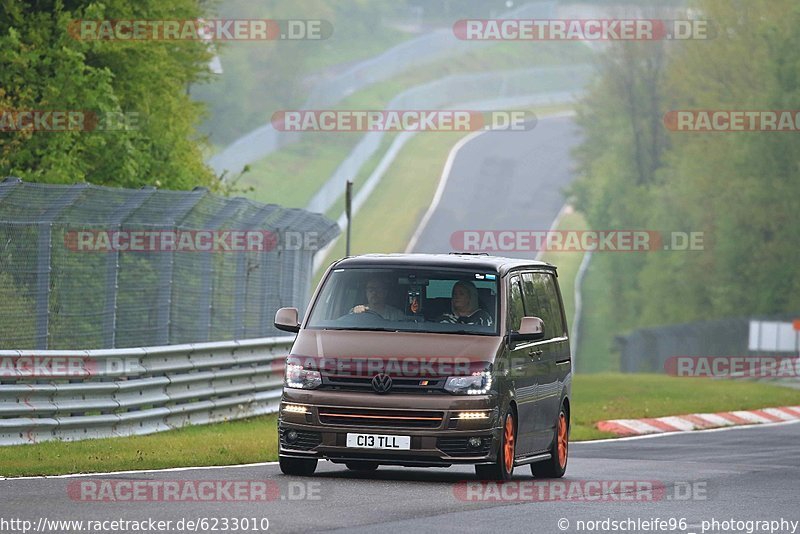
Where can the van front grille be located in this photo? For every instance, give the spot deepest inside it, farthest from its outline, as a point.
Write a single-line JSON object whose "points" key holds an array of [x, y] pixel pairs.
{"points": [[399, 385], [380, 418]]}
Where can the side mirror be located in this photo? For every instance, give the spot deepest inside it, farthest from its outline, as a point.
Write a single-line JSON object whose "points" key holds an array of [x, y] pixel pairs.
{"points": [[530, 329], [287, 319]]}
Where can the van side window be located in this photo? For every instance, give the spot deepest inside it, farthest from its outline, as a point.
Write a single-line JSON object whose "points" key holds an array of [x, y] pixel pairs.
{"points": [[549, 283], [516, 309], [536, 302], [542, 301]]}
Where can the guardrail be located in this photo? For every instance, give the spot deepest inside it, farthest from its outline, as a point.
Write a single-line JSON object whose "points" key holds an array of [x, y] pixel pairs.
{"points": [[438, 44], [553, 84], [74, 395]]}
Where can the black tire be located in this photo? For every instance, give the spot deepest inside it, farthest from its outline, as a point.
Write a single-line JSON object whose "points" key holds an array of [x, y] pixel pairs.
{"points": [[502, 468], [556, 466], [361, 466], [297, 466]]}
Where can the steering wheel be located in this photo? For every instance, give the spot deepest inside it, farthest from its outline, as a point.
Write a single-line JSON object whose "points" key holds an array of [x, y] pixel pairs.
{"points": [[367, 311]]}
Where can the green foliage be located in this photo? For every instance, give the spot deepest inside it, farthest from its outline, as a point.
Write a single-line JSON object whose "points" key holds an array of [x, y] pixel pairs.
{"points": [[43, 67], [740, 189]]}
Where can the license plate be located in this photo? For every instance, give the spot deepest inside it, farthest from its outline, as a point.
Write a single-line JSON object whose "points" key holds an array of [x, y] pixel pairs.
{"points": [[378, 441]]}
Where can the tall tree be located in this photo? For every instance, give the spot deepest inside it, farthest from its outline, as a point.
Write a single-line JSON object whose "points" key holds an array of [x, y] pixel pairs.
{"points": [[43, 66], [741, 189]]}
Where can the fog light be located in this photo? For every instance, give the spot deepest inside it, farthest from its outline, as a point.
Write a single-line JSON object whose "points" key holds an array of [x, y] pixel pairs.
{"points": [[291, 436], [474, 442], [294, 408], [473, 415]]}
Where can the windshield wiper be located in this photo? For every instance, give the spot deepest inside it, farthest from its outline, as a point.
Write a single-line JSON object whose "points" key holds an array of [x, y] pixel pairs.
{"points": [[366, 329]]}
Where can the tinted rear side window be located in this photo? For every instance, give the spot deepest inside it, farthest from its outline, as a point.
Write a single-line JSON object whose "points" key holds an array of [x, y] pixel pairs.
{"points": [[549, 283], [541, 301]]}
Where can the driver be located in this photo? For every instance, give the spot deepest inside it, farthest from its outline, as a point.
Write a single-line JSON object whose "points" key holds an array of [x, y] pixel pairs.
{"points": [[377, 290]]}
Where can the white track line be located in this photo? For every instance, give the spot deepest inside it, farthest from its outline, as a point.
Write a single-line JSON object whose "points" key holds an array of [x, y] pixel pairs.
{"points": [[264, 464], [448, 166], [437, 197], [135, 472]]}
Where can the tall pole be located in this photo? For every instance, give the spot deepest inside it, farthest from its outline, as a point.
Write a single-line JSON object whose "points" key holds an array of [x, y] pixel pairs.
{"points": [[348, 198]]}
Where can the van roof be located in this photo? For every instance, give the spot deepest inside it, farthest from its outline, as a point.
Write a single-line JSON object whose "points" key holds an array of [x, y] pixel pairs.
{"points": [[469, 261]]}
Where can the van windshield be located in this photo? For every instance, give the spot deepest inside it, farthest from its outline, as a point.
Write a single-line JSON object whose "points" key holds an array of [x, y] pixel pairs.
{"points": [[447, 301]]}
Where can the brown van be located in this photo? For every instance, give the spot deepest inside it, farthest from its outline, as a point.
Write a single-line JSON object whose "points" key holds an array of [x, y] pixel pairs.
{"points": [[429, 360]]}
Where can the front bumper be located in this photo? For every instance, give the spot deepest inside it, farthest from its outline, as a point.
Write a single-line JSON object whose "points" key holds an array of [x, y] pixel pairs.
{"points": [[321, 432]]}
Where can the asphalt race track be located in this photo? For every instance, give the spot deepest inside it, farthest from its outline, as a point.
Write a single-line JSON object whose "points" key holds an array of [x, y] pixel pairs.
{"points": [[681, 479], [743, 474], [504, 180]]}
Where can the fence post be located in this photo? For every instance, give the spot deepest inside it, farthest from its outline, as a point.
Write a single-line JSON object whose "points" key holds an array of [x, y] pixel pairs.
{"points": [[206, 284], [282, 259], [112, 266], [165, 282], [243, 272], [43, 259]]}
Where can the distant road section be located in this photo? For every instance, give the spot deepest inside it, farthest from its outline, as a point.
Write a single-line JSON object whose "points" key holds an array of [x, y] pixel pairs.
{"points": [[502, 180]]}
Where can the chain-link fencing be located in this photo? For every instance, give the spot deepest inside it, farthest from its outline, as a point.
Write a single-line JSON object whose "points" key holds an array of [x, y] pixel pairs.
{"points": [[83, 266]]}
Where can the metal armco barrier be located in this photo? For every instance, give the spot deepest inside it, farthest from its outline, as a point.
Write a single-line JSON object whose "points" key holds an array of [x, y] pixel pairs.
{"points": [[136, 391], [426, 48]]}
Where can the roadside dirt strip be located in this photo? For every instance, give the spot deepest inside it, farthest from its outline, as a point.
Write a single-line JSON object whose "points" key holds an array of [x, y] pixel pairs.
{"points": [[699, 421]]}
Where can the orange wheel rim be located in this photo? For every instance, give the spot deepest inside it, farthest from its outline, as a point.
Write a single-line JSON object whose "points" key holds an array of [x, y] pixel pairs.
{"points": [[508, 447], [563, 443]]}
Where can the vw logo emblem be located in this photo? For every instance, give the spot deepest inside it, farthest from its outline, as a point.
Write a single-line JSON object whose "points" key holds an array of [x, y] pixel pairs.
{"points": [[381, 383]]}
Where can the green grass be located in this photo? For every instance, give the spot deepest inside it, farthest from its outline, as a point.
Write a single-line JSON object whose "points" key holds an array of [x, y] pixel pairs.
{"points": [[390, 217], [337, 208], [292, 175], [568, 263], [341, 49], [388, 220], [603, 396], [236, 442], [595, 397], [595, 353]]}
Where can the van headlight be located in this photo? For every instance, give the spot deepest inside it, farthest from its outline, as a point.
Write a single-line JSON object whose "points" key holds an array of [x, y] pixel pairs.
{"points": [[478, 383], [297, 377]]}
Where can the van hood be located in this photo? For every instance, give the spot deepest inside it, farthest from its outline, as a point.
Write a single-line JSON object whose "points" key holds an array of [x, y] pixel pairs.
{"points": [[411, 354]]}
